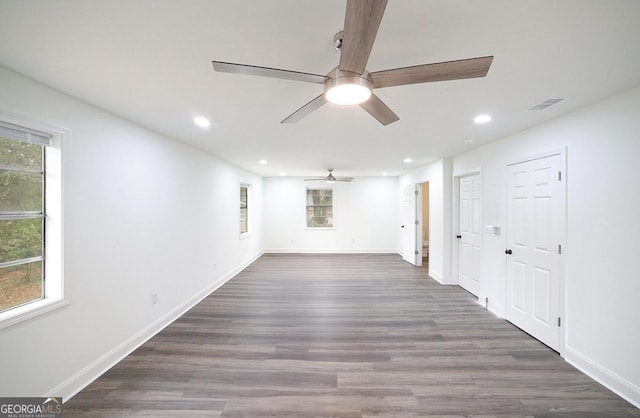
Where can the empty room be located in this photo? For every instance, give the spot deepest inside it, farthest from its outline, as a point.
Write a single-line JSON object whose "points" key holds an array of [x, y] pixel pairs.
{"points": [[341, 208]]}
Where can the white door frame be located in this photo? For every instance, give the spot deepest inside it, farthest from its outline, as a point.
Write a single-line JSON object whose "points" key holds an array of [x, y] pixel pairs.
{"points": [[455, 256], [563, 235]]}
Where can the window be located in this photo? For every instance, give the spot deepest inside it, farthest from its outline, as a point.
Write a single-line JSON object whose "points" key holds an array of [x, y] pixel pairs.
{"points": [[244, 209], [319, 208], [22, 215]]}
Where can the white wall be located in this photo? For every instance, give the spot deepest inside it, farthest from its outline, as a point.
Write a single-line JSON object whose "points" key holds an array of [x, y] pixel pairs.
{"points": [[602, 263], [438, 174], [142, 213], [365, 216]]}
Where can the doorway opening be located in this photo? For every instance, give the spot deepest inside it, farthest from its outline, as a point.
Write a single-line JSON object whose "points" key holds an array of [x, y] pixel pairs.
{"points": [[425, 224]]}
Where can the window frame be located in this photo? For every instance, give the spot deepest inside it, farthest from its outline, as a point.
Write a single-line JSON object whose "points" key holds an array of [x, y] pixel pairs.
{"points": [[52, 226], [307, 206]]}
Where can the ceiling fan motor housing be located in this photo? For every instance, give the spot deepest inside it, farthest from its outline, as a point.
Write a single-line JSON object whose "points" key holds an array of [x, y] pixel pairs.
{"points": [[350, 77]]}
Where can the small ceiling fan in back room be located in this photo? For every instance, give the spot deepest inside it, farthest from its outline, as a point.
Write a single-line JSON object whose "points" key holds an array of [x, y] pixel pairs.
{"points": [[350, 83], [330, 178]]}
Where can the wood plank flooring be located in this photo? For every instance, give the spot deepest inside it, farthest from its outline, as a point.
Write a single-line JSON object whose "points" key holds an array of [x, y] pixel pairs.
{"points": [[343, 336]]}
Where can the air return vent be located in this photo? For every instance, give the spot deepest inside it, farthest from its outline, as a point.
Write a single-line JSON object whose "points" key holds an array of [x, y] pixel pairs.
{"points": [[545, 104]]}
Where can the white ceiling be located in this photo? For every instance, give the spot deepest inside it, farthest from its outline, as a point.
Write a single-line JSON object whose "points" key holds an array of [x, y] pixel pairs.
{"points": [[149, 61]]}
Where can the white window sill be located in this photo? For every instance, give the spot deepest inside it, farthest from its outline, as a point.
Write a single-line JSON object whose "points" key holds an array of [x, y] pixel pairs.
{"points": [[320, 228], [29, 311], [245, 235]]}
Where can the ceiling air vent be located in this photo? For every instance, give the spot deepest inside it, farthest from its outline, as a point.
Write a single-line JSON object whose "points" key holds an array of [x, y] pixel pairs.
{"points": [[545, 104]]}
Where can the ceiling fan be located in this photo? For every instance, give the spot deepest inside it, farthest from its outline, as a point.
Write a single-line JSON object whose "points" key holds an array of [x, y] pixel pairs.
{"points": [[330, 178], [350, 83]]}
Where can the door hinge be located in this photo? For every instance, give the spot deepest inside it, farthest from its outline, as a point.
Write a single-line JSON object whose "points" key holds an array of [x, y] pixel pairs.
{"points": [[417, 252], [415, 192], [559, 321], [559, 249], [559, 175], [417, 222]]}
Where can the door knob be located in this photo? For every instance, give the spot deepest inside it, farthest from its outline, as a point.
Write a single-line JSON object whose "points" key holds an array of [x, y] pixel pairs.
{"points": [[401, 226], [508, 252], [458, 236]]}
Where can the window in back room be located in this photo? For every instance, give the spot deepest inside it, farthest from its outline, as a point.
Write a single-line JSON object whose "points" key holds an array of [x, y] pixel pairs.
{"points": [[319, 208], [244, 209]]}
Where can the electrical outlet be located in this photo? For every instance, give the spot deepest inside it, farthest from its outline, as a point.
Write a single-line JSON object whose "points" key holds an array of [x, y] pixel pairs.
{"points": [[154, 298]]}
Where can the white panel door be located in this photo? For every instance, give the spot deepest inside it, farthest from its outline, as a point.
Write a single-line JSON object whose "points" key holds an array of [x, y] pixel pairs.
{"points": [[411, 236], [534, 219], [469, 233]]}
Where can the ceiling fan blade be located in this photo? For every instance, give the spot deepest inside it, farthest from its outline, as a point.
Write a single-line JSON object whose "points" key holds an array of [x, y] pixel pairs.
{"points": [[361, 24], [344, 179], [315, 179], [379, 110], [440, 71], [229, 67], [305, 110]]}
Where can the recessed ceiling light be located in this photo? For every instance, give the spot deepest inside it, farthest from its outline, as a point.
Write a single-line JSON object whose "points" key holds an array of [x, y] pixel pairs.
{"points": [[263, 162], [202, 122], [482, 119], [407, 160], [283, 174], [384, 173]]}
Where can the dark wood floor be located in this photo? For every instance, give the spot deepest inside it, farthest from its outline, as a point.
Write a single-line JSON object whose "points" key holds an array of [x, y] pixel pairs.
{"points": [[343, 336]]}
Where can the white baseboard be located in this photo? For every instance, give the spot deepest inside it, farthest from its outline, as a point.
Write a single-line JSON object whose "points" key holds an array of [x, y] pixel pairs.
{"points": [[329, 251], [613, 382], [86, 376], [495, 309], [437, 277]]}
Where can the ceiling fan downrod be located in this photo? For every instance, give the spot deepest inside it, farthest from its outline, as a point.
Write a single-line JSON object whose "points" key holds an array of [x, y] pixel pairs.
{"points": [[337, 41]]}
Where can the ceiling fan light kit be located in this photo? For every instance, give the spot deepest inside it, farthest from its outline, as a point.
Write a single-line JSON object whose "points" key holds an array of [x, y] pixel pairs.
{"points": [[350, 83], [346, 88]]}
